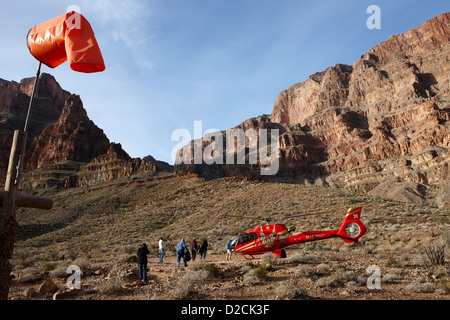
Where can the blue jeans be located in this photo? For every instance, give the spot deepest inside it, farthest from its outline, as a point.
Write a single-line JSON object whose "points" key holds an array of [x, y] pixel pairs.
{"points": [[161, 255], [143, 271], [179, 256]]}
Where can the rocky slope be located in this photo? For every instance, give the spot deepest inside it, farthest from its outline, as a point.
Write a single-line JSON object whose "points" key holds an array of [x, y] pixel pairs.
{"points": [[64, 148], [99, 229], [383, 122]]}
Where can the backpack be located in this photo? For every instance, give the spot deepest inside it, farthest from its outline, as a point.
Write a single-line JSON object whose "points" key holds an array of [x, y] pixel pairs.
{"points": [[187, 256]]}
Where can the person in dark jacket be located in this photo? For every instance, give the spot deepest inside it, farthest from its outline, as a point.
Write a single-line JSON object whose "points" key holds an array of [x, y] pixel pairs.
{"points": [[142, 261], [203, 249], [194, 249]]}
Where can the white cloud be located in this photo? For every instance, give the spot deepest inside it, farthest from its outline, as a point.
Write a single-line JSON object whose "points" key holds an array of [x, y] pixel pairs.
{"points": [[128, 23]]}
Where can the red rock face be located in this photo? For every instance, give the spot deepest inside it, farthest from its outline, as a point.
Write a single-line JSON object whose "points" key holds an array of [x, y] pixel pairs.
{"points": [[322, 90], [14, 101], [73, 137], [404, 67], [384, 119], [393, 102], [64, 147]]}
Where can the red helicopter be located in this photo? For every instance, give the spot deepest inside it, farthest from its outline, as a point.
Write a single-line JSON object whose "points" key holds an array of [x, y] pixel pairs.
{"points": [[275, 237]]}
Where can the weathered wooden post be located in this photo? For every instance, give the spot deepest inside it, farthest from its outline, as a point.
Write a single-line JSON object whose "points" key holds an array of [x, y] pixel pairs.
{"points": [[10, 199], [8, 223]]}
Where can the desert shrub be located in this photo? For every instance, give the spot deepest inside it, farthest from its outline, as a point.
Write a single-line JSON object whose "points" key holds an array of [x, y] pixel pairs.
{"points": [[246, 268], [82, 263], [339, 268], [53, 255], [352, 285], [187, 283], [444, 286], [198, 264], [392, 262], [417, 286], [314, 246], [114, 285], [439, 272], [29, 275], [435, 254], [252, 274], [261, 272], [212, 269], [289, 290], [131, 259], [25, 258], [352, 276], [299, 258], [249, 277], [305, 271], [341, 277], [269, 259], [446, 238], [59, 272], [327, 282], [49, 266], [334, 280], [73, 254], [322, 268], [129, 249]]}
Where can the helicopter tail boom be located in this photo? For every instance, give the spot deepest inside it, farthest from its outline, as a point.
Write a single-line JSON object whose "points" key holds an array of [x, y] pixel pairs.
{"points": [[352, 228]]}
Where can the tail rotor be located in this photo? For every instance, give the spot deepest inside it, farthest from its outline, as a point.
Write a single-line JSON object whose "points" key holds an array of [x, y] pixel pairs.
{"points": [[352, 228]]}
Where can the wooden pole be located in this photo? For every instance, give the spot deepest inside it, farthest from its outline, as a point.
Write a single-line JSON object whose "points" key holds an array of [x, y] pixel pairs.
{"points": [[10, 199], [8, 223], [28, 201]]}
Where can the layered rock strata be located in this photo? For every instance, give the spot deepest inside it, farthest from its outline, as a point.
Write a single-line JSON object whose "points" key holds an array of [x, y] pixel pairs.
{"points": [[384, 119]]}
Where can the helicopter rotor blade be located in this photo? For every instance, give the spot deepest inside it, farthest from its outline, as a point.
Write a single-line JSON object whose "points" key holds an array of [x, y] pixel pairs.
{"points": [[308, 214], [242, 217], [267, 219]]}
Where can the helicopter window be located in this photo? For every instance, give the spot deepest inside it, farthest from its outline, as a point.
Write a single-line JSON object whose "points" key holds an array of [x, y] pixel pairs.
{"points": [[247, 237]]}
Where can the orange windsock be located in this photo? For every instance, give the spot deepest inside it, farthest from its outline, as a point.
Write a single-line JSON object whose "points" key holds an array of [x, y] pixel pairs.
{"points": [[68, 37]]}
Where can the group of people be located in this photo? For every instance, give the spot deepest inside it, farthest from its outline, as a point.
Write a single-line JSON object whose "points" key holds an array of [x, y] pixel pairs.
{"points": [[182, 251], [186, 255]]}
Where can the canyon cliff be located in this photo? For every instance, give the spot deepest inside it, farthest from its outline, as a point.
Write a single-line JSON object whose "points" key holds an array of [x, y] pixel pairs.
{"points": [[381, 125], [64, 147]]}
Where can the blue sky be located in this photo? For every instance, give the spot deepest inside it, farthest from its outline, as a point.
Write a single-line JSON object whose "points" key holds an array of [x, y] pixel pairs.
{"points": [[172, 62]]}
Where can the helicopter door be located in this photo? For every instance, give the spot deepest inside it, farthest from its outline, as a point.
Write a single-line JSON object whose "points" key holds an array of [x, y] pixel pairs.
{"points": [[233, 243]]}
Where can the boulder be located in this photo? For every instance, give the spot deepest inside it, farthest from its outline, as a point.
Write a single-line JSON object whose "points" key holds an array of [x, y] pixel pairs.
{"points": [[48, 286]]}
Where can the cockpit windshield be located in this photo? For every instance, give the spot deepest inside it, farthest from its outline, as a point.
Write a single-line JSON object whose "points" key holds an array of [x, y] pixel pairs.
{"points": [[246, 237]]}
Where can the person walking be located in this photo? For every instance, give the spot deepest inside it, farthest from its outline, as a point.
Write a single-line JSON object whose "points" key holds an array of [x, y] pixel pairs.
{"points": [[194, 249], [181, 248], [203, 249], [142, 261], [161, 244], [229, 250]]}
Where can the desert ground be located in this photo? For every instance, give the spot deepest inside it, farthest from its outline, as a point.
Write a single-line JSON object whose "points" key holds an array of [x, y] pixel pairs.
{"points": [[402, 256]]}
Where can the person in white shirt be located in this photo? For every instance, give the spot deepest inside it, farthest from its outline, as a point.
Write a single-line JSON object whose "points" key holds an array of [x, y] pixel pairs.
{"points": [[161, 244]]}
